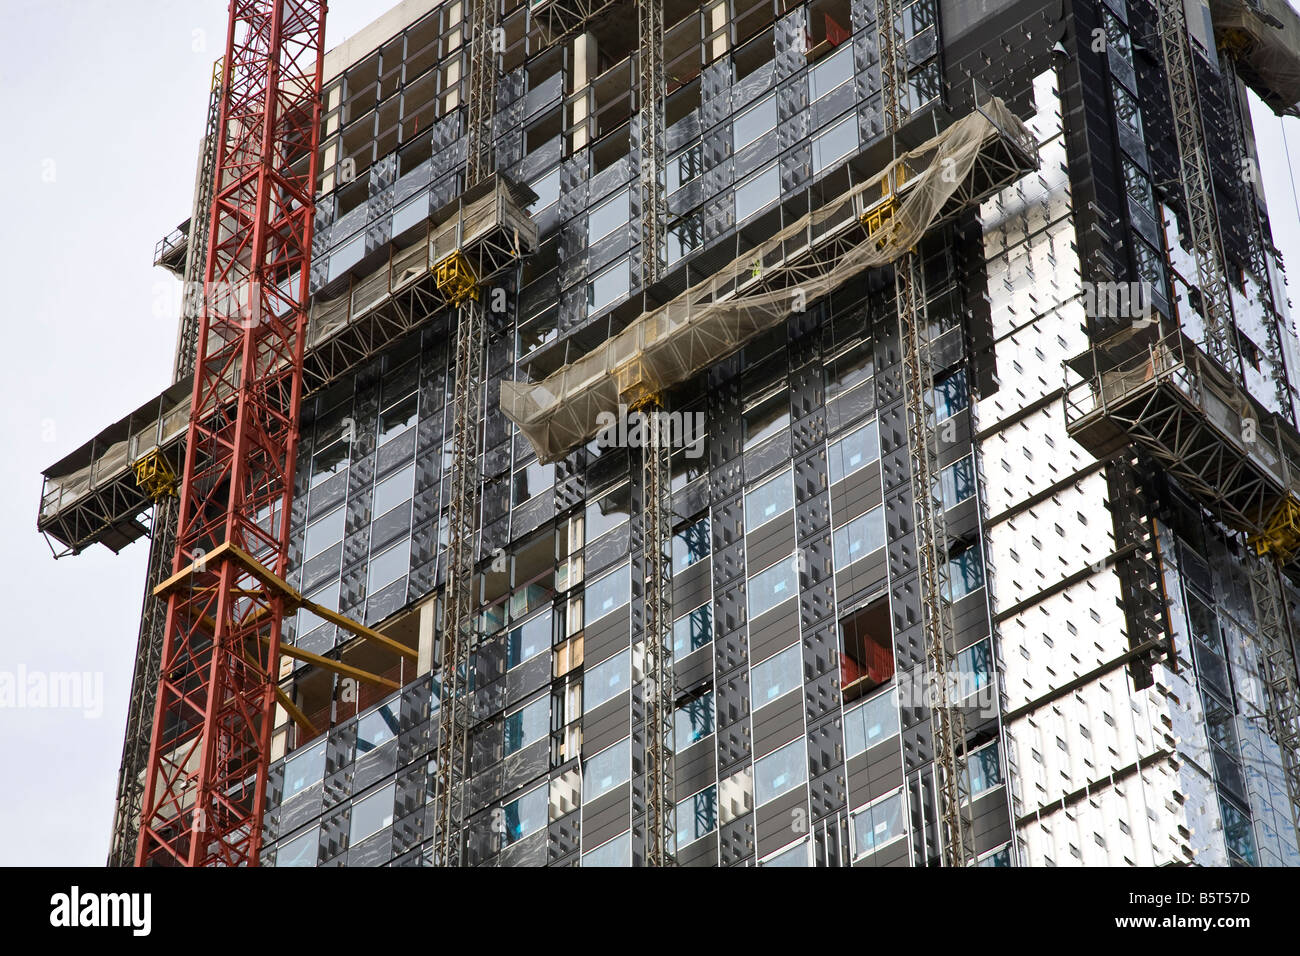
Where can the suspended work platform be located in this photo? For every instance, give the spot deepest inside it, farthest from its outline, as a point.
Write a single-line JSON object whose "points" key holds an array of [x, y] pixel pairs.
{"points": [[92, 495], [978, 155], [1241, 461]]}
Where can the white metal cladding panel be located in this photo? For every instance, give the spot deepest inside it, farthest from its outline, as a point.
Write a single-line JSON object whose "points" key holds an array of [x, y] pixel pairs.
{"points": [[1035, 291]]}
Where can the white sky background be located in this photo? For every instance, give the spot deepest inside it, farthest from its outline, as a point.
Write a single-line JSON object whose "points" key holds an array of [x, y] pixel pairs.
{"points": [[114, 95]]}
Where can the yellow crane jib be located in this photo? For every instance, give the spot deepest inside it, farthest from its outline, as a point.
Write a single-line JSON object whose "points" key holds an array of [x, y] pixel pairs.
{"points": [[155, 476], [455, 279], [1281, 535]]}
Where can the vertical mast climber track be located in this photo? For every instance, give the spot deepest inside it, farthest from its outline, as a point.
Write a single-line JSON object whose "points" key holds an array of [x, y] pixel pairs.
{"points": [[162, 537], [210, 748], [948, 724], [459, 602], [656, 461]]}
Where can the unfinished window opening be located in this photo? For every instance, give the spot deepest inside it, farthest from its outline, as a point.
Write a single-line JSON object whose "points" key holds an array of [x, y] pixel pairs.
{"points": [[611, 149], [828, 27], [755, 54], [391, 56], [682, 61], [750, 17], [414, 153], [419, 105], [421, 46], [682, 101], [363, 88], [545, 129], [612, 92], [866, 650]]}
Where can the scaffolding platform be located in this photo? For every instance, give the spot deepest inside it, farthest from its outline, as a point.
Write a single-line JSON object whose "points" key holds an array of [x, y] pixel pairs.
{"points": [[92, 495], [172, 249], [1239, 460], [486, 227]]}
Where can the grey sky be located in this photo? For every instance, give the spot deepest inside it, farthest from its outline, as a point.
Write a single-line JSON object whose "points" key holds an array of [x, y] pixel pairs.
{"points": [[103, 104]]}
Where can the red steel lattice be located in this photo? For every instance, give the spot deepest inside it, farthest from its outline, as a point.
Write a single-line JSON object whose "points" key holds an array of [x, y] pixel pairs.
{"points": [[208, 756]]}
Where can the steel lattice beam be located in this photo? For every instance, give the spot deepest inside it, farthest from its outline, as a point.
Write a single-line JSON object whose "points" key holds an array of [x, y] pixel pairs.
{"points": [[208, 758]]}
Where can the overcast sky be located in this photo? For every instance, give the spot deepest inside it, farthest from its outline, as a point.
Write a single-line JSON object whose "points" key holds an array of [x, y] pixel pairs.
{"points": [[103, 105]]}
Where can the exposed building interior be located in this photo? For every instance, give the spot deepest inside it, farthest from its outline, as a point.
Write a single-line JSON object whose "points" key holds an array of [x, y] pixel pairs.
{"points": [[959, 523]]}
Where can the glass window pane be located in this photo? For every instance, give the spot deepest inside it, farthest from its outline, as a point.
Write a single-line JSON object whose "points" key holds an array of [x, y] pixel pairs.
{"points": [[860, 537], [528, 725], [387, 566], [779, 772], [684, 238], [610, 215], [876, 825], [606, 681], [692, 722], [394, 490], [849, 369], [759, 191], [548, 191], [831, 72], [398, 417], [685, 166], [957, 482], [975, 665], [766, 418], [855, 450], [609, 286], [691, 544], [371, 815], [529, 639], [616, 852], [754, 122], [377, 728], [777, 675], [527, 815], [607, 512], [836, 143], [871, 722], [697, 816], [304, 769], [531, 480], [302, 850], [770, 587], [985, 769], [330, 461], [796, 855], [951, 395], [607, 594], [965, 573], [605, 771], [692, 631], [323, 533], [769, 500]]}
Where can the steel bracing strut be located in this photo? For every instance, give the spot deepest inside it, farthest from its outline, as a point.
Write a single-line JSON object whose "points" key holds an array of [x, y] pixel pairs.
{"points": [[459, 600], [210, 748], [948, 724]]}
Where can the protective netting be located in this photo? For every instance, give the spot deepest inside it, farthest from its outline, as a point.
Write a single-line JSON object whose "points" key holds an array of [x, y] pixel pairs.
{"points": [[1264, 37], [800, 264]]}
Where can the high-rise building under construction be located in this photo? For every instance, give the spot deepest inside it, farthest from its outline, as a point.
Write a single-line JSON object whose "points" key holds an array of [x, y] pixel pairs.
{"points": [[825, 433]]}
